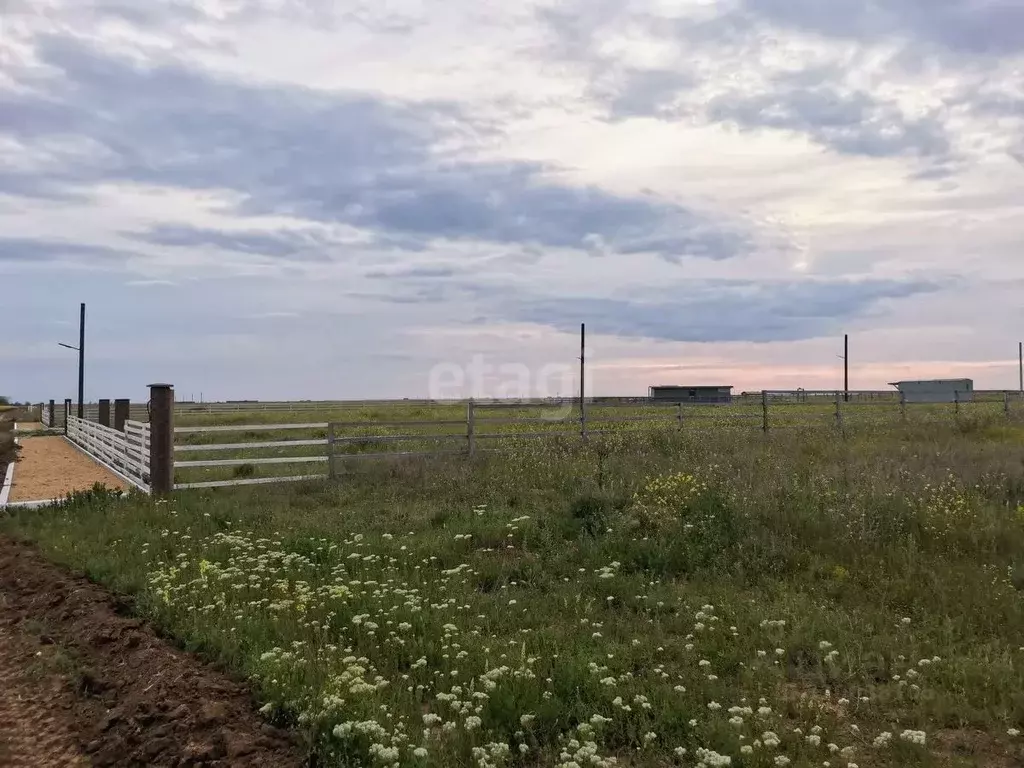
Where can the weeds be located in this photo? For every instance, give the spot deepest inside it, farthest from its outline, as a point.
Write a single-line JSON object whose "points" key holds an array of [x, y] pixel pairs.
{"points": [[653, 600]]}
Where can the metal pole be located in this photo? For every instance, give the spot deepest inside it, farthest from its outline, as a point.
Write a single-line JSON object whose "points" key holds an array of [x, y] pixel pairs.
{"points": [[1020, 349], [81, 363], [583, 356], [846, 367]]}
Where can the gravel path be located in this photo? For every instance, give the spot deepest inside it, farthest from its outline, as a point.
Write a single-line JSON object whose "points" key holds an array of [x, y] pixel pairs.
{"points": [[51, 468]]}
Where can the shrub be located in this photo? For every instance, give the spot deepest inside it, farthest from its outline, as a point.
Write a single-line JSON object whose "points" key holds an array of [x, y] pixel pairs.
{"points": [[592, 512]]}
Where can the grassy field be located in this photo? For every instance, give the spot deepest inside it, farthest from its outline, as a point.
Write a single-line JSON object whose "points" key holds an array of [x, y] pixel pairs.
{"points": [[417, 427], [672, 597]]}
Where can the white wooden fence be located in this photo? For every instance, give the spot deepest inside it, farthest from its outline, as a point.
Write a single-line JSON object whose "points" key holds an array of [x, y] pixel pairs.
{"points": [[323, 446], [269, 444], [127, 453], [464, 437]]}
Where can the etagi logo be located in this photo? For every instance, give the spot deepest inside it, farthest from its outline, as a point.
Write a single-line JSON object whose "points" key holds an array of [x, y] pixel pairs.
{"points": [[488, 382]]}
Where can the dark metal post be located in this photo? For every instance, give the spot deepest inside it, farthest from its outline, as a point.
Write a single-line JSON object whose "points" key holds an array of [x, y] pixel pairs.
{"points": [[81, 363], [53, 415], [67, 413], [583, 369], [846, 367], [161, 439], [764, 408]]}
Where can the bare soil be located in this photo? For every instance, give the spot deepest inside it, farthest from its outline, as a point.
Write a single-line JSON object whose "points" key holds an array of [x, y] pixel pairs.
{"points": [[35, 726], [8, 452], [81, 683], [51, 468]]}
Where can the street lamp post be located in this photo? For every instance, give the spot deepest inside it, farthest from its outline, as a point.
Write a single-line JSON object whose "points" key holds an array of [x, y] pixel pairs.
{"points": [[81, 361]]}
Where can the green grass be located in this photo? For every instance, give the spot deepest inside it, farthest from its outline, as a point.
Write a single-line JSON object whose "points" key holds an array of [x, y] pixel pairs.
{"points": [[402, 427], [646, 593]]}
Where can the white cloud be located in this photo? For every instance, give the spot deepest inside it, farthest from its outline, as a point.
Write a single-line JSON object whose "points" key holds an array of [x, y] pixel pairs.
{"points": [[370, 189]]}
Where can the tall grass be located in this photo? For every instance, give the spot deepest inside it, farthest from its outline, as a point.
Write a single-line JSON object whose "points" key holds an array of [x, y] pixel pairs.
{"points": [[657, 598]]}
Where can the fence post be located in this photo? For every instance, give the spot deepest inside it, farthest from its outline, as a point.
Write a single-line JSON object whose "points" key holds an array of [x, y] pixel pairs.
{"points": [[103, 412], [764, 409], [67, 413], [1006, 404], [53, 415], [839, 414], [956, 405], [330, 450], [679, 414], [471, 427], [161, 439], [122, 409], [903, 405]]}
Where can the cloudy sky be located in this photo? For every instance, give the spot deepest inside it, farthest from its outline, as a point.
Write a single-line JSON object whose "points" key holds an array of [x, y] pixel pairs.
{"points": [[328, 198]]}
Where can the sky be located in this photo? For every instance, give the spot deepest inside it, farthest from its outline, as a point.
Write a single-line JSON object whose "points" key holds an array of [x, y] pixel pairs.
{"points": [[290, 199]]}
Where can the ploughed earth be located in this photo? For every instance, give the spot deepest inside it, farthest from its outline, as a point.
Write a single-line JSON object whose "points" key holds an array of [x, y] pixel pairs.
{"points": [[84, 684]]}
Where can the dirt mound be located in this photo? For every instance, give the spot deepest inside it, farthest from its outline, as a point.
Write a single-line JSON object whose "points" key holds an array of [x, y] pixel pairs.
{"points": [[123, 695], [7, 447]]}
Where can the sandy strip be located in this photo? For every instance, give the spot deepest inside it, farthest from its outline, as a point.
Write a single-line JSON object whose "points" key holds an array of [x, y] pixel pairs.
{"points": [[29, 426], [51, 468]]}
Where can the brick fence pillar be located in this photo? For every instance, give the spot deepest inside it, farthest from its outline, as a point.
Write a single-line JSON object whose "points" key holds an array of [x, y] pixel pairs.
{"points": [[53, 415], [103, 416], [121, 411], [161, 439]]}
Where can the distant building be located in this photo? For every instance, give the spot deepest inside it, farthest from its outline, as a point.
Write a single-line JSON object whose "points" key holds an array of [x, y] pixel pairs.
{"points": [[693, 394], [936, 390]]}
